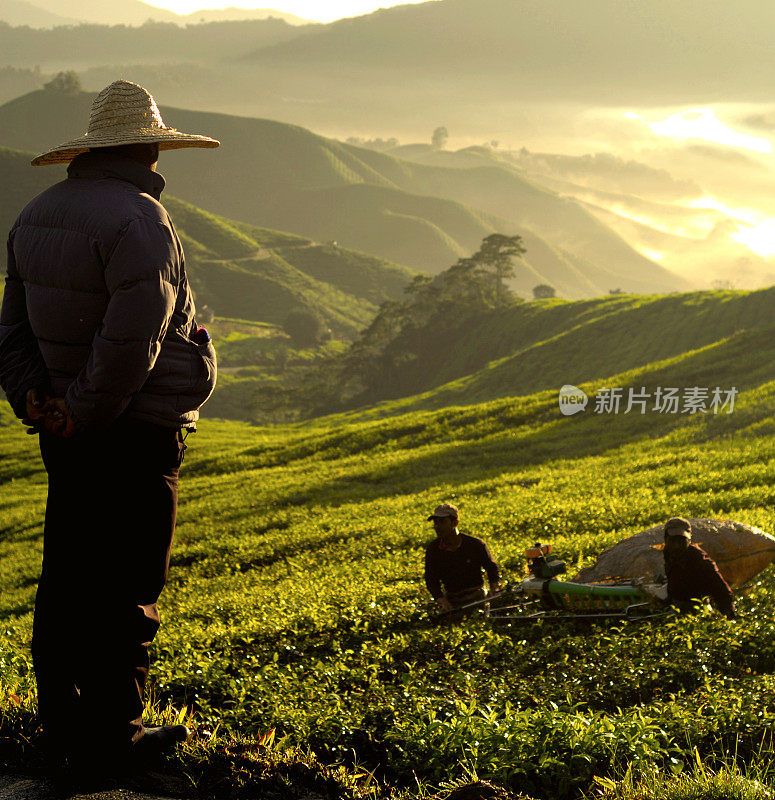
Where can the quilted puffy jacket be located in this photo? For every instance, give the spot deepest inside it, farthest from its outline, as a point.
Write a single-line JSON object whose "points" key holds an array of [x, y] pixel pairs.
{"points": [[97, 307]]}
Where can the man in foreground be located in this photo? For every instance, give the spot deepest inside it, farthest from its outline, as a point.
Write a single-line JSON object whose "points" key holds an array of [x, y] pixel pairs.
{"points": [[455, 561], [691, 573], [100, 354]]}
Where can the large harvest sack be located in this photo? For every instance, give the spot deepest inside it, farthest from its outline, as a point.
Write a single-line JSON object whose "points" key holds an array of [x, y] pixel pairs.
{"points": [[741, 551]]}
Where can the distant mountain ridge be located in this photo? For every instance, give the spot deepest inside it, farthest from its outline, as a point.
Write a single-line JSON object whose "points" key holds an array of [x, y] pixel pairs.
{"points": [[233, 14], [157, 42], [117, 12], [50, 13], [423, 216], [596, 49], [20, 12]]}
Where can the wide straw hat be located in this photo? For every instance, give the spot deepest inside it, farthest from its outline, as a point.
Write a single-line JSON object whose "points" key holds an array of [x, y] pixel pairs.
{"points": [[123, 113]]}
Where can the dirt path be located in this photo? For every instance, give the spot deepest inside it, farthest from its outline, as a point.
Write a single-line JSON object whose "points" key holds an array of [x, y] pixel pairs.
{"points": [[264, 252]]}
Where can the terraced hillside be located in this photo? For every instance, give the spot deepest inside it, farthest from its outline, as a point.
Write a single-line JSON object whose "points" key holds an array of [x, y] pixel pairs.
{"points": [[246, 272], [307, 542], [424, 216]]}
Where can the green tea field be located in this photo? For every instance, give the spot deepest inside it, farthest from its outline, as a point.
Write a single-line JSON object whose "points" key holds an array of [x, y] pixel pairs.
{"points": [[296, 616]]}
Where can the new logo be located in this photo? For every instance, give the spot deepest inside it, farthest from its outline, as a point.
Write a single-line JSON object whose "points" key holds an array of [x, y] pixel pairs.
{"points": [[572, 400]]}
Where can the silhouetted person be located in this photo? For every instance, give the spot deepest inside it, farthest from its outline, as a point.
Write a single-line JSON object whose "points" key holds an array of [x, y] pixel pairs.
{"points": [[100, 353], [691, 573], [455, 561]]}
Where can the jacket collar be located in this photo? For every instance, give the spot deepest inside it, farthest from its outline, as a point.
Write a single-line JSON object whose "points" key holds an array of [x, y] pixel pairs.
{"points": [[103, 165]]}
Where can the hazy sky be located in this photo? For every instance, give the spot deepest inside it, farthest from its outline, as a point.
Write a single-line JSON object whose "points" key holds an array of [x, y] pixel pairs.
{"points": [[325, 11]]}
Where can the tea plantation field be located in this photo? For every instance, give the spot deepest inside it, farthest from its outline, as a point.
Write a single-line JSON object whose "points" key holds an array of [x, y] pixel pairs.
{"points": [[295, 612]]}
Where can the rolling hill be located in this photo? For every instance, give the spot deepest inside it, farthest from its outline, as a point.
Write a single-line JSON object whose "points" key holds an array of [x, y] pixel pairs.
{"points": [[246, 272], [155, 42], [424, 216], [252, 273], [543, 345], [677, 340], [603, 51]]}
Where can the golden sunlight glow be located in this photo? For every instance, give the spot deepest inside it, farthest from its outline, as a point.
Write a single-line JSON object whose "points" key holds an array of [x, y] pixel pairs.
{"points": [[751, 228], [703, 124], [754, 229], [760, 238], [697, 228], [654, 255]]}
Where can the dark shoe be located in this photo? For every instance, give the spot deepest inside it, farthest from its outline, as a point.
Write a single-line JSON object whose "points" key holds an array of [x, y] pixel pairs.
{"points": [[81, 778], [156, 741], [91, 766]]}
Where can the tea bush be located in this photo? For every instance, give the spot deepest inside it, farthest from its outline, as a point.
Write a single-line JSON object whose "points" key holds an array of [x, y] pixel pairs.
{"points": [[296, 603]]}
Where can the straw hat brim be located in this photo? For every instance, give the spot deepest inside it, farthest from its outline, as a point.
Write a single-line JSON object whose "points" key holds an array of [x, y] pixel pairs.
{"points": [[167, 139]]}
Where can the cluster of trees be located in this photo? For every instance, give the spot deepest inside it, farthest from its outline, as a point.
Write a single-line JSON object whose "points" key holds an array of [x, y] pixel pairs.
{"points": [[409, 337], [373, 144], [306, 327], [543, 291], [64, 83], [408, 347]]}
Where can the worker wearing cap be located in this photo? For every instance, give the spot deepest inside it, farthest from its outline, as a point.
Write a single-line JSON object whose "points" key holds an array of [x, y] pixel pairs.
{"points": [[455, 562], [691, 573]]}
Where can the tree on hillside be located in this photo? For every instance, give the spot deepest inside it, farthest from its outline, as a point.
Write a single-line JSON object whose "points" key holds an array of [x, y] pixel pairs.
{"points": [[64, 83], [411, 337], [306, 327], [543, 291], [492, 265], [439, 138]]}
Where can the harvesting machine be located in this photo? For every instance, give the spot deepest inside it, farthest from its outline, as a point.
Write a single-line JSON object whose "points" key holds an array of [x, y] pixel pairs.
{"points": [[542, 595]]}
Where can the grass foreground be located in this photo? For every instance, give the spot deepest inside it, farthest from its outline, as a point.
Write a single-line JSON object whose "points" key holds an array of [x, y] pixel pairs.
{"points": [[295, 637]]}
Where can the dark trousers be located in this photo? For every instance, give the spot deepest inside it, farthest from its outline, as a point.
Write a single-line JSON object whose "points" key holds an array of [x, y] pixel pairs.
{"points": [[110, 517]]}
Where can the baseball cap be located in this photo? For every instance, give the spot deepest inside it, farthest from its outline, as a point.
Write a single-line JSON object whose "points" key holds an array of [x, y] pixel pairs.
{"points": [[444, 510], [678, 526]]}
